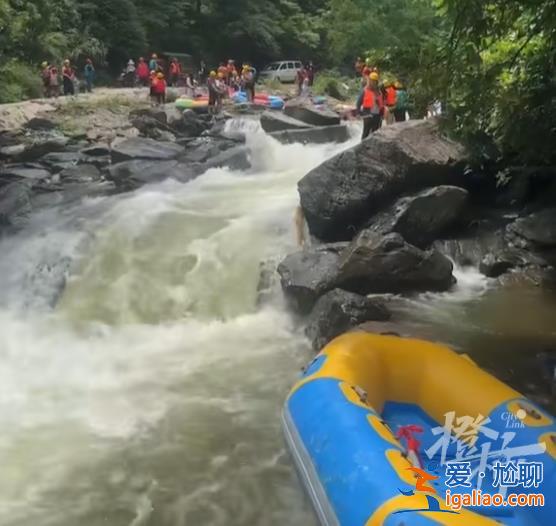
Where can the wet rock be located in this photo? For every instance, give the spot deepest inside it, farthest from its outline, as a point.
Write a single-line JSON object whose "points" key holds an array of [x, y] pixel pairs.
{"points": [[82, 173], [305, 112], [376, 264], [314, 135], [202, 149], [129, 175], [494, 265], [423, 217], [16, 172], [268, 280], [343, 193], [192, 124], [237, 158], [308, 274], [96, 150], [338, 311], [40, 123], [141, 148], [158, 114], [15, 204], [538, 228], [276, 121], [35, 149], [153, 129], [58, 161]]}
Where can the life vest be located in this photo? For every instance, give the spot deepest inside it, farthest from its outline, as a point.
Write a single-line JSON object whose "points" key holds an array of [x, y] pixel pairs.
{"points": [[159, 86], [372, 101], [391, 96], [142, 70], [174, 68]]}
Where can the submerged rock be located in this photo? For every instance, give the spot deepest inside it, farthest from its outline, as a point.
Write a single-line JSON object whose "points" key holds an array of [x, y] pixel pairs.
{"points": [[15, 204], [338, 311], [494, 265], [423, 217], [314, 135], [343, 193], [141, 148], [308, 274], [276, 121], [376, 264], [129, 175]]}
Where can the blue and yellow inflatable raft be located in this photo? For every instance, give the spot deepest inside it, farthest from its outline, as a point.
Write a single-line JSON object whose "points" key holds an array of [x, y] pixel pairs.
{"points": [[342, 418]]}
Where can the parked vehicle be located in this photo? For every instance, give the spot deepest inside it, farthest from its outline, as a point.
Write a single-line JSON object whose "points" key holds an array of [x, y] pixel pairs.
{"points": [[282, 71]]}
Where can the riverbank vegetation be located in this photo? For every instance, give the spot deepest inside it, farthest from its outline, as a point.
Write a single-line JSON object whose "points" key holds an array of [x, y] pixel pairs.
{"points": [[492, 63]]}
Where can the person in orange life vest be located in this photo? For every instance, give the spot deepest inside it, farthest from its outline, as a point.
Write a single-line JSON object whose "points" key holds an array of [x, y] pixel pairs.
{"points": [[370, 105], [152, 82], [159, 88], [175, 72], [143, 72], [390, 97]]}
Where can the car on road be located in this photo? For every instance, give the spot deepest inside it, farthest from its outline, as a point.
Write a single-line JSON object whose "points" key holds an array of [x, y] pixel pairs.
{"points": [[282, 71]]}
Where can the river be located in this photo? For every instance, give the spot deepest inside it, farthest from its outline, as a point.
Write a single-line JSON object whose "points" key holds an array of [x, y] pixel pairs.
{"points": [[147, 390]]}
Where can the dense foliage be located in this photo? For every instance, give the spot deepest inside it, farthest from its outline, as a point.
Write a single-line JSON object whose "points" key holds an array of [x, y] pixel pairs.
{"points": [[491, 62]]}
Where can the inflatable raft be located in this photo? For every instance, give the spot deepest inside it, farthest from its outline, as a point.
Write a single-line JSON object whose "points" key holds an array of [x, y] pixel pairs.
{"points": [[184, 103], [377, 425]]}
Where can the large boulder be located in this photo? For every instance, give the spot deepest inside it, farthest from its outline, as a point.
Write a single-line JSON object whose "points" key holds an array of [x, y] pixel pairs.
{"points": [[423, 217], [305, 112], [308, 274], [339, 311], [375, 264], [202, 149], [141, 148], [276, 121], [538, 228], [159, 114], [40, 123], [129, 175], [315, 135], [340, 195]]}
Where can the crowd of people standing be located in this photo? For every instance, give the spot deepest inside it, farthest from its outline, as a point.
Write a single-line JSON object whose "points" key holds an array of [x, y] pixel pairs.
{"points": [[379, 101]]}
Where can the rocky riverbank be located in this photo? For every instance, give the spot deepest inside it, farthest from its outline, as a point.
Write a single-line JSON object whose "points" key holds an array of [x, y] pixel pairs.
{"points": [[390, 215]]}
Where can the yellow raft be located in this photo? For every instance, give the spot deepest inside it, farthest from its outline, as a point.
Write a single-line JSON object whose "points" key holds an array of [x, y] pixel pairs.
{"points": [[349, 420]]}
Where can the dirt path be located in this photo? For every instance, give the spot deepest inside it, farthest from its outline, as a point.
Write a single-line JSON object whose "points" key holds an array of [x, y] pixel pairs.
{"points": [[16, 114]]}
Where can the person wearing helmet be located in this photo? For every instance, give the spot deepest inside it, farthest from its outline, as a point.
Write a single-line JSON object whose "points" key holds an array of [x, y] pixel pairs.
{"points": [[45, 78], [68, 78], [159, 88], [370, 105], [153, 63], [143, 72], [248, 82], [402, 102], [175, 72], [212, 91], [89, 75], [390, 96], [221, 90]]}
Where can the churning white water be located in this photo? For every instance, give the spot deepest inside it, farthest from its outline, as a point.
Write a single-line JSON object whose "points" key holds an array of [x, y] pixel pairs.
{"points": [[140, 384]]}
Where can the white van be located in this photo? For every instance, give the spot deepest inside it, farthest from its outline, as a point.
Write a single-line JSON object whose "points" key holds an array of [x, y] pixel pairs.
{"points": [[283, 71]]}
